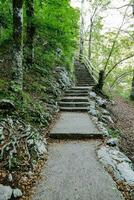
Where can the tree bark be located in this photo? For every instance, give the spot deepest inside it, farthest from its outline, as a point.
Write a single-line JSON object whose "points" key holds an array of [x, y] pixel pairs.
{"points": [[81, 30], [90, 33], [17, 71], [90, 40], [100, 83], [132, 88], [29, 59]]}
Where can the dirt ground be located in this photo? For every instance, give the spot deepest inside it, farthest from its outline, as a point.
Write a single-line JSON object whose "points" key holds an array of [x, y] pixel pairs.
{"points": [[123, 113]]}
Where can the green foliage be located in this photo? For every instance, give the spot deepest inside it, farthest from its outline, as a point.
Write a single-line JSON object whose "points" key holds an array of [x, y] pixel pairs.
{"points": [[101, 47], [54, 45], [57, 30], [114, 133], [5, 21]]}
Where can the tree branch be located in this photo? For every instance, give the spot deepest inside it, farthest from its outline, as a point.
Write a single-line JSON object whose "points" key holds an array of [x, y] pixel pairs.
{"points": [[121, 6], [126, 58], [118, 78], [114, 42]]}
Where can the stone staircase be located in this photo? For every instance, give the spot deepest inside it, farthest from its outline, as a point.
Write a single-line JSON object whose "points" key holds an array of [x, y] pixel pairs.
{"points": [[83, 78], [72, 170], [76, 98]]}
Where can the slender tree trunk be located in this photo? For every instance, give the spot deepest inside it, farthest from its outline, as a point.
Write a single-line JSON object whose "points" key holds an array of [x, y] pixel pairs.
{"points": [[90, 40], [90, 33], [29, 59], [17, 72], [132, 88], [81, 30]]}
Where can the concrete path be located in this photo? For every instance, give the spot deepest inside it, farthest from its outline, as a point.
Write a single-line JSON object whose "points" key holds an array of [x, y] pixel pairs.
{"points": [[72, 172], [74, 125]]}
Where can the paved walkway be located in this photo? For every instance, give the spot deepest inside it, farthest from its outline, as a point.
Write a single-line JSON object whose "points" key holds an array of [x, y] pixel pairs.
{"points": [[72, 172], [74, 125]]}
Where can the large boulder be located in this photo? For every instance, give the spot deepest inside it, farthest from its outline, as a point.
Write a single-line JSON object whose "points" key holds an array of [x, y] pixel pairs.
{"points": [[63, 77], [120, 164]]}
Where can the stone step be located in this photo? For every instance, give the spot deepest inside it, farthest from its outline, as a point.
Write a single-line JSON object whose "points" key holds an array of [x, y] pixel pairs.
{"points": [[76, 94], [74, 125], [77, 91], [81, 88], [74, 99], [85, 84], [74, 104], [84, 81], [74, 109]]}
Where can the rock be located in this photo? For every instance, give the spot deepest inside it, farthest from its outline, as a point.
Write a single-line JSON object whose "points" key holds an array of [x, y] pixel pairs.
{"points": [[41, 147], [92, 104], [92, 94], [93, 112], [102, 128], [6, 104], [17, 192], [5, 192], [104, 131], [112, 142], [120, 164], [107, 118], [126, 172], [101, 102], [10, 177], [63, 76], [105, 112], [95, 119], [104, 120]]}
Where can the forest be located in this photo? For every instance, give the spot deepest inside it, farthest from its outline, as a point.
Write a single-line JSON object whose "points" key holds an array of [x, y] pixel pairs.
{"points": [[41, 42]]}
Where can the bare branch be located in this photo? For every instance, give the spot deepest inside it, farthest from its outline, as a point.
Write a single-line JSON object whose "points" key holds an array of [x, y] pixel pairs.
{"points": [[126, 58], [114, 42], [126, 5], [118, 78]]}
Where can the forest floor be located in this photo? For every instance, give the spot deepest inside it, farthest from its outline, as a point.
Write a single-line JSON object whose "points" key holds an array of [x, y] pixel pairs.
{"points": [[123, 112]]}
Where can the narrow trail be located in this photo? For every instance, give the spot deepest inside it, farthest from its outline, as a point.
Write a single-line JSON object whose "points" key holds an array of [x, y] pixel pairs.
{"points": [[72, 171]]}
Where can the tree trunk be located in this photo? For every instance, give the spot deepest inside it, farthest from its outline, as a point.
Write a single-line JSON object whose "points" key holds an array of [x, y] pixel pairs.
{"points": [[132, 88], [90, 40], [17, 72], [29, 59], [81, 30], [100, 84]]}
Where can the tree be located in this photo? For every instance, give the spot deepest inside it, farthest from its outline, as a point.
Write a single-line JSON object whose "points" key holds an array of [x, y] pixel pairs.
{"points": [[81, 29], [30, 33], [132, 88], [96, 8], [56, 33], [17, 72], [113, 48]]}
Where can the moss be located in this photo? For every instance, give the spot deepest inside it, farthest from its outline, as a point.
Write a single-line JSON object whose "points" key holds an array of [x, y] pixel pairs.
{"points": [[114, 132]]}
